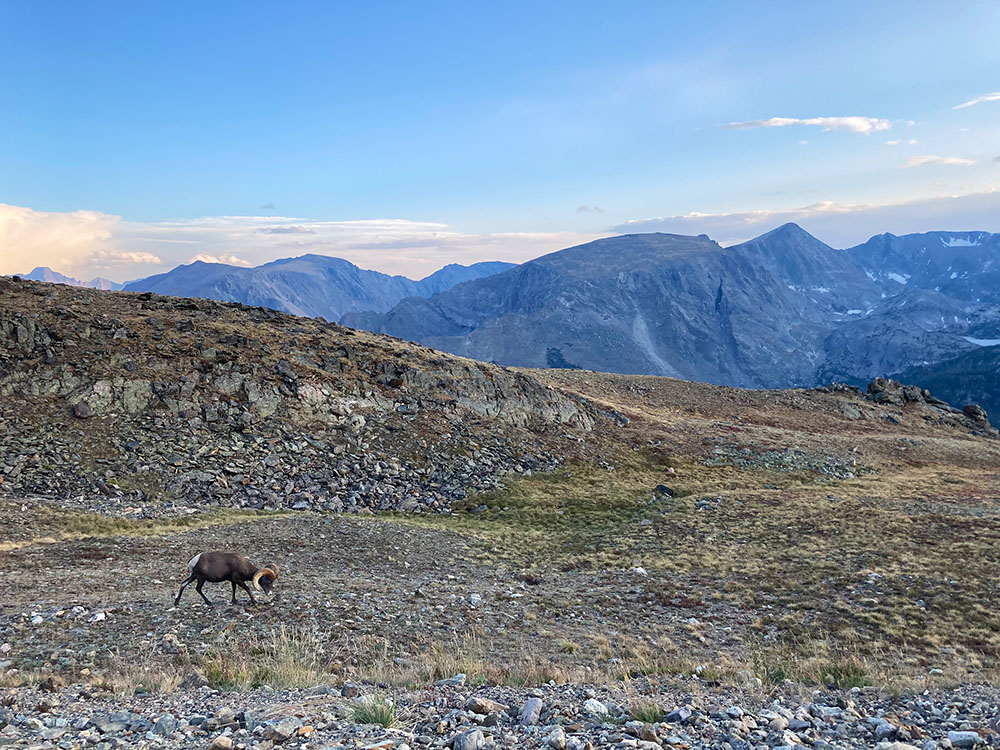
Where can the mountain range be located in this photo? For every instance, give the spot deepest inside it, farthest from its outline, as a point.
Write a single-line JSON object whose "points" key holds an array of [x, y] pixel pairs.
{"points": [[780, 310], [44, 273], [783, 309], [310, 285]]}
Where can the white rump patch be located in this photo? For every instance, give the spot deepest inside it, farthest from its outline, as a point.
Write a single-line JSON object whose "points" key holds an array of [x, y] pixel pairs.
{"points": [[194, 561]]}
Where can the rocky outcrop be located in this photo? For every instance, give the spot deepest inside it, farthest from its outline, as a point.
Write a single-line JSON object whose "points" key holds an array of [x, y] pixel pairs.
{"points": [[198, 401], [893, 393]]}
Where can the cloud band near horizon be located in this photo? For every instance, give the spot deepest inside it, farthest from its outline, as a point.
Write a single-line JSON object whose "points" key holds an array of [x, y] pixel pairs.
{"points": [[85, 244]]}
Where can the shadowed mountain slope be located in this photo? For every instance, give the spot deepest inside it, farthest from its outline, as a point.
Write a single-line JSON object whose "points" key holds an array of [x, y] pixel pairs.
{"points": [[310, 285]]}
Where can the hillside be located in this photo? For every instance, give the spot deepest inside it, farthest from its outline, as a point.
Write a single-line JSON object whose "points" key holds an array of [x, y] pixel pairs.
{"points": [[193, 400], [674, 551], [310, 285]]}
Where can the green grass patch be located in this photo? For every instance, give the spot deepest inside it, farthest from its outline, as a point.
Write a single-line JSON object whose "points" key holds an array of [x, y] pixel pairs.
{"points": [[375, 709]]}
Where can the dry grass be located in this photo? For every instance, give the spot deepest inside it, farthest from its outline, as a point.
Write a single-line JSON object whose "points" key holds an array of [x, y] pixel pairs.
{"points": [[849, 582], [62, 525], [284, 659]]}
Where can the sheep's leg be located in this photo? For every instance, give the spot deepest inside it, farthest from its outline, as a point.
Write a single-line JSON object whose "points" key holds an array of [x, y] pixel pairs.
{"points": [[183, 586], [246, 588], [201, 582], [234, 592]]}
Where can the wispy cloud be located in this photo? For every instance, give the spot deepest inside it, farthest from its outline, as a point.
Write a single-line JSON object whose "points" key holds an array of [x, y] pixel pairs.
{"points": [[993, 97], [838, 224], [952, 161], [589, 209], [229, 260], [297, 229], [854, 124]]}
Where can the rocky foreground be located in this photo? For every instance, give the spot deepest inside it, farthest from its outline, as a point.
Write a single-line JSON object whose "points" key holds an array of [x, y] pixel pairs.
{"points": [[688, 714]]}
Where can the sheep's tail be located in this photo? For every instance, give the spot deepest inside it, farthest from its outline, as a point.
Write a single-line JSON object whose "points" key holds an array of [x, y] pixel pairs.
{"points": [[194, 561]]}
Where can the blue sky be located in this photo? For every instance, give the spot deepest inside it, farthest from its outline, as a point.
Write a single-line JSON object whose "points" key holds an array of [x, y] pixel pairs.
{"points": [[405, 135]]}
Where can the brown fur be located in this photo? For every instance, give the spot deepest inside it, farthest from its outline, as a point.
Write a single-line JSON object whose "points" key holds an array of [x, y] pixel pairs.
{"points": [[216, 567]]}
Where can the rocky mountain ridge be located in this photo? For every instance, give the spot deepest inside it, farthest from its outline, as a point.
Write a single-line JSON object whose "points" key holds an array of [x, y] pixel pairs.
{"points": [[151, 398], [308, 285], [780, 310]]}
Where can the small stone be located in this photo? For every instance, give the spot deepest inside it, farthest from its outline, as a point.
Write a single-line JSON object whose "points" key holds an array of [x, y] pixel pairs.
{"points": [[531, 712], [484, 706], [594, 707], [678, 715], [350, 690], [282, 730], [778, 724], [82, 410], [885, 730], [964, 739], [456, 681], [557, 738], [221, 743], [471, 740]]}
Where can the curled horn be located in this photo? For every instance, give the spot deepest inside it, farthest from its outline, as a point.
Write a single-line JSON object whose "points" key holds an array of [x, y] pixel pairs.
{"points": [[271, 571]]}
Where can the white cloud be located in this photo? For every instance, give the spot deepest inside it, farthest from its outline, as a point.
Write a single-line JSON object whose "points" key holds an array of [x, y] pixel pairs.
{"points": [[839, 224], [65, 241], [993, 97], [395, 246], [104, 259], [854, 124], [86, 243], [229, 260], [953, 161]]}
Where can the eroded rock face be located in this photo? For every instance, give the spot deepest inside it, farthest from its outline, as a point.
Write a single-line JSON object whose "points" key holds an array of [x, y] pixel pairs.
{"points": [[204, 401]]}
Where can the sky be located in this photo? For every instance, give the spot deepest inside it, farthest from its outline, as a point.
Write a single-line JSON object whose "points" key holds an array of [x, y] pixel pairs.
{"points": [[403, 136]]}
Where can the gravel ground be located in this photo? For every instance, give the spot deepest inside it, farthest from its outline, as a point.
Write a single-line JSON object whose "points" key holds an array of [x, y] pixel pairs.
{"points": [[691, 715]]}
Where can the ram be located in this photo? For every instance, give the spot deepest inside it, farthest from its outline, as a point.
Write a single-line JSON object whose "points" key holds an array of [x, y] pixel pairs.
{"points": [[216, 567]]}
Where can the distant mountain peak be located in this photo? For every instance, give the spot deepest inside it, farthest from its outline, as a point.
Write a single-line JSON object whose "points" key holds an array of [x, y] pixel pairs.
{"points": [[790, 231], [313, 285], [44, 273]]}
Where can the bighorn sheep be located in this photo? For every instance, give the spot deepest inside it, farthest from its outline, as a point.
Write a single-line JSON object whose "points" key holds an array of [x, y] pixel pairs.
{"points": [[216, 567]]}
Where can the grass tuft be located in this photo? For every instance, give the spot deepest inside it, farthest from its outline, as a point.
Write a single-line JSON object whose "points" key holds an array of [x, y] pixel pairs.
{"points": [[375, 709], [647, 711]]}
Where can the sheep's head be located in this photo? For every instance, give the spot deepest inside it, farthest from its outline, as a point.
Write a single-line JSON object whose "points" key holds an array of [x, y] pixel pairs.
{"points": [[264, 579]]}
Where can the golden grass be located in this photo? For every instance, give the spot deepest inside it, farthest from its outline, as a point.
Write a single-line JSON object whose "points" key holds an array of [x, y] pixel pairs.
{"points": [[851, 581], [71, 525]]}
